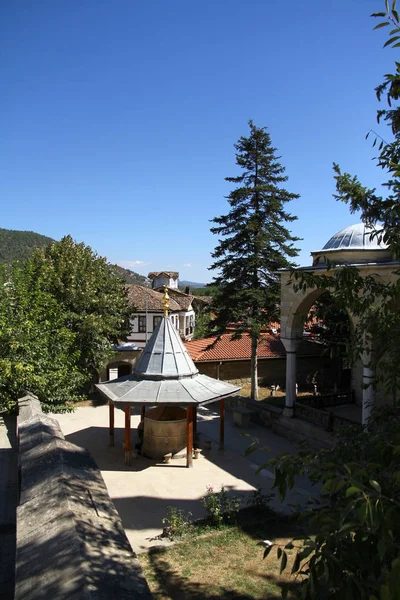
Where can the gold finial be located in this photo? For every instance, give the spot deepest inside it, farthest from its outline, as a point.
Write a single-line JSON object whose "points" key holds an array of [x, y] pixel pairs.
{"points": [[165, 301]]}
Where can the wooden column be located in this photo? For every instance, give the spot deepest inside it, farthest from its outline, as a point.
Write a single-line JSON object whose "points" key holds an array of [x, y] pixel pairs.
{"points": [[111, 412], [189, 436], [194, 422], [221, 424], [127, 444], [142, 412]]}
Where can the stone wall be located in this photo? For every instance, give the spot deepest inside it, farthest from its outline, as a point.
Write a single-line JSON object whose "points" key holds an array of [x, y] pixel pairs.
{"points": [[292, 429], [70, 540], [271, 371]]}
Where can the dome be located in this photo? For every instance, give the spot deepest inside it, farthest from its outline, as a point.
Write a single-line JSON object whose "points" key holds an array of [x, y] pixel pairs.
{"points": [[355, 237]]}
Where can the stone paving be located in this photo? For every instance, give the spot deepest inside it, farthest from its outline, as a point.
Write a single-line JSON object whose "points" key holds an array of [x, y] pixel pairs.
{"points": [[143, 491], [8, 501]]}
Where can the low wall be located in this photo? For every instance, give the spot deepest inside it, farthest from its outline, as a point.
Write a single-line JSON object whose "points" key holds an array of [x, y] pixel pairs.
{"points": [[271, 371], [292, 429], [70, 540]]}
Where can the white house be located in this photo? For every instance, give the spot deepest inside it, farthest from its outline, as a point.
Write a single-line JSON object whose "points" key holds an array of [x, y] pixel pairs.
{"points": [[149, 311], [161, 278]]}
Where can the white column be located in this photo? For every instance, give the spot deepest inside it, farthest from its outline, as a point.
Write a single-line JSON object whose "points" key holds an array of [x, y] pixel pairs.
{"points": [[291, 356], [368, 397]]}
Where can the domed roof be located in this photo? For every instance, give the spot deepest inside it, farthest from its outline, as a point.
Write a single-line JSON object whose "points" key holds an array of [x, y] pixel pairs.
{"points": [[355, 237]]}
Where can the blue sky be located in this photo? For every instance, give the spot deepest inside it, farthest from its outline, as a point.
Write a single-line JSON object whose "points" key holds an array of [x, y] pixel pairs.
{"points": [[118, 117]]}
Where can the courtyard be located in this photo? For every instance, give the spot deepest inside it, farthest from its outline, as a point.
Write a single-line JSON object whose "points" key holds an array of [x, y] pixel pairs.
{"points": [[142, 491]]}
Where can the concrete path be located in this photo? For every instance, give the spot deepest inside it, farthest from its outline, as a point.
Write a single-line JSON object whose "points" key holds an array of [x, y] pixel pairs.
{"points": [[143, 491], [8, 503]]}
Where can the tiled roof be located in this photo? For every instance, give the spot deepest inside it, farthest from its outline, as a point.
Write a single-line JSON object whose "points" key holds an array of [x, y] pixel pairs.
{"points": [[137, 295], [155, 274], [184, 300], [226, 348]]}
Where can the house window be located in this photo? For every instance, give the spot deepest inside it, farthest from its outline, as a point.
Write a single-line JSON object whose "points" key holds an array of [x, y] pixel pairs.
{"points": [[142, 324], [156, 321]]}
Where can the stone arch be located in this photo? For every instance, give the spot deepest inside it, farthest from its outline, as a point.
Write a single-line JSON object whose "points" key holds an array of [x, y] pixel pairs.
{"points": [[295, 306]]}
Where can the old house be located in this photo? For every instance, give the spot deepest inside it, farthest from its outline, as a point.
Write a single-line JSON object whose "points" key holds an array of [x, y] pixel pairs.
{"points": [[149, 312]]}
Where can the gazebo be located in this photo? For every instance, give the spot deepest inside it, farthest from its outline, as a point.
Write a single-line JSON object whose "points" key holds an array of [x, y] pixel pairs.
{"points": [[165, 376]]}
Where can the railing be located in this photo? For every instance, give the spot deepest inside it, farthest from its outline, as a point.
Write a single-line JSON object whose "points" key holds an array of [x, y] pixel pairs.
{"points": [[327, 400], [313, 410]]}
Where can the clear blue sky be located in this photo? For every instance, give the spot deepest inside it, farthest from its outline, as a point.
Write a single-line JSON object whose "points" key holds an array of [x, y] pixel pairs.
{"points": [[118, 117]]}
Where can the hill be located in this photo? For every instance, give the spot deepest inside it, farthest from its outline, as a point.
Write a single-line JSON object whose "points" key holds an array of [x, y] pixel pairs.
{"points": [[130, 276], [191, 284], [18, 245]]}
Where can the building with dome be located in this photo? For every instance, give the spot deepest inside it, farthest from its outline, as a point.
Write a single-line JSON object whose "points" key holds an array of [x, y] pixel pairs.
{"points": [[360, 246]]}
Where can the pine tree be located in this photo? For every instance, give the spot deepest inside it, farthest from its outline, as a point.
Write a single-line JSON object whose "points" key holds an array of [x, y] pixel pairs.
{"points": [[254, 243]]}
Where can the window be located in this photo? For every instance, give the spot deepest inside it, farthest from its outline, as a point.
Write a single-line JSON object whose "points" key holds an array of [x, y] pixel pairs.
{"points": [[156, 321], [142, 324]]}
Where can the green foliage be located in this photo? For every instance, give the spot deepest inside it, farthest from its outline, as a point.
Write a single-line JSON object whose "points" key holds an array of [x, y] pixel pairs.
{"points": [[220, 507], [375, 209], [375, 304], [93, 298], [37, 350], [208, 290], [254, 242], [258, 499], [177, 522], [60, 312], [356, 550], [330, 323], [18, 245], [203, 325]]}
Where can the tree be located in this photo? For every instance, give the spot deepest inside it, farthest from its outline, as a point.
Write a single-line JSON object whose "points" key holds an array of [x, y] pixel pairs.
{"points": [[352, 546], [356, 551], [37, 350], [60, 313], [92, 295], [254, 243]]}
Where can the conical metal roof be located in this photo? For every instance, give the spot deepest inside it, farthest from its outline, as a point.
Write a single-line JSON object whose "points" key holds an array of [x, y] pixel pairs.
{"points": [[165, 356], [165, 374]]}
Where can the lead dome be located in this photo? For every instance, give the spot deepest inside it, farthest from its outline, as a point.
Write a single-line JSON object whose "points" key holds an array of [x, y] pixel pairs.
{"points": [[355, 237]]}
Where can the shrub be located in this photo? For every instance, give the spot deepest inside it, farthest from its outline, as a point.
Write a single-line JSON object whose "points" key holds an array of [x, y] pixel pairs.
{"points": [[177, 522], [220, 507]]}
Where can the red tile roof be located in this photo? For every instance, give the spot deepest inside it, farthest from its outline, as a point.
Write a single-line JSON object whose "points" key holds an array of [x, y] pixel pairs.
{"points": [[226, 348]]}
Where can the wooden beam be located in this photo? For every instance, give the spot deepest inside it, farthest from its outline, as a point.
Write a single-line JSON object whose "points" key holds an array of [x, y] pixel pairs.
{"points": [[111, 413], [194, 422], [127, 444], [221, 424], [142, 412], [189, 436]]}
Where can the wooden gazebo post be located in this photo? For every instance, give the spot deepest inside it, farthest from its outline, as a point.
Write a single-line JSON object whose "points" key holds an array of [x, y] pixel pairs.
{"points": [[111, 413], [127, 444], [189, 436], [221, 424], [194, 422]]}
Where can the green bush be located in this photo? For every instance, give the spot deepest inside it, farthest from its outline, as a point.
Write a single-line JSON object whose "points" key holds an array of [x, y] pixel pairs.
{"points": [[220, 508]]}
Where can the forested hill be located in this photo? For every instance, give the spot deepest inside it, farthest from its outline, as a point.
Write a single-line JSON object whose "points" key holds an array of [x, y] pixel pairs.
{"points": [[130, 276], [18, 245]]}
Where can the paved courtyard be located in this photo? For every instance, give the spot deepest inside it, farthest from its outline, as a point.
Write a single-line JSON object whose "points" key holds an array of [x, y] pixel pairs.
{"points": [[142, 491]]}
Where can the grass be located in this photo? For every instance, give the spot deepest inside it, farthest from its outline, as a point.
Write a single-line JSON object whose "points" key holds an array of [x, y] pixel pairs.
{"points": [[222, 564]]}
